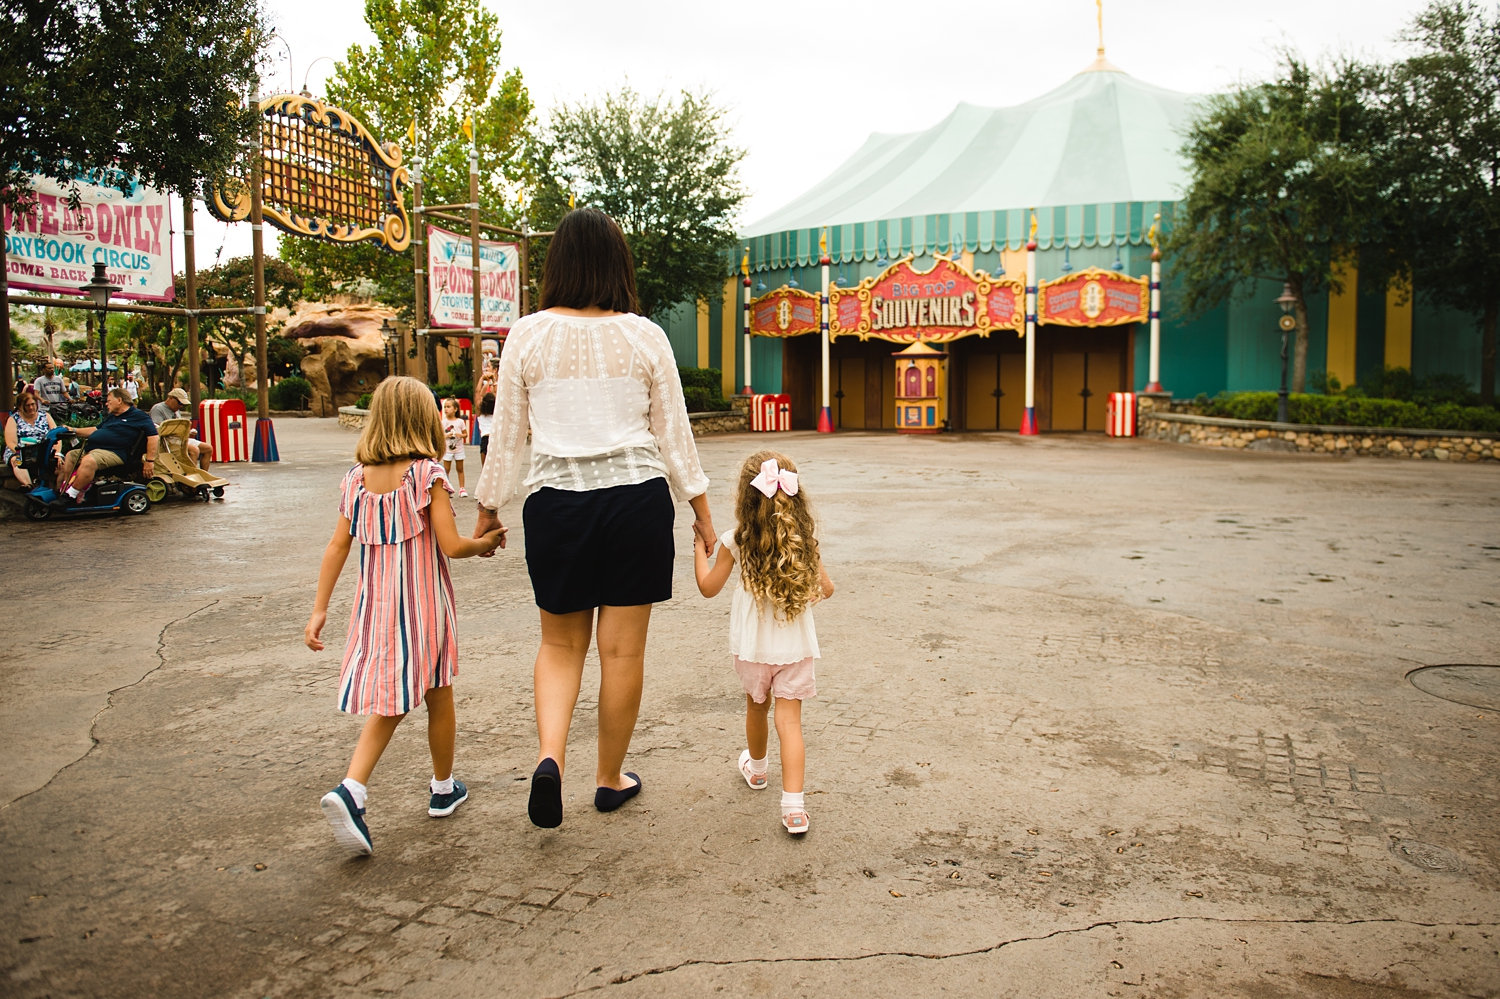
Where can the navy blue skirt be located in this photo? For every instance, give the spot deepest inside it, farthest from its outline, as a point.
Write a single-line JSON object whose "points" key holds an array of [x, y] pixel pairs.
{"points": [[603, 547]]}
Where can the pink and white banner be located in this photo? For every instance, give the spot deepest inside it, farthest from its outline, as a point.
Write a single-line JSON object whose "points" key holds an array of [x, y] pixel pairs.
{"points": [[53, 248], [450, 281]]}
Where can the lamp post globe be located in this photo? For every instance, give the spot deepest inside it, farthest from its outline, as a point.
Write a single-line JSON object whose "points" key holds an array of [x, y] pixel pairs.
{"points": [[1286, 300]]}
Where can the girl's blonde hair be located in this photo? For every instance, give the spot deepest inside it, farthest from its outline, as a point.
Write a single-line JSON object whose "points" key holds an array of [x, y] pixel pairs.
{"points": [[777, 540], [403, 423]]}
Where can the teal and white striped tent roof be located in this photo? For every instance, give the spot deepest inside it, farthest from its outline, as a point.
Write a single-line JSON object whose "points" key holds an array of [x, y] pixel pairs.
{"points": [[1097, 157]]}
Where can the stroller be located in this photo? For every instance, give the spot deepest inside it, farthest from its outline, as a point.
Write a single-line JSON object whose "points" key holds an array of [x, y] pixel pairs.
{"points": [[174, 467], [111, 491]]}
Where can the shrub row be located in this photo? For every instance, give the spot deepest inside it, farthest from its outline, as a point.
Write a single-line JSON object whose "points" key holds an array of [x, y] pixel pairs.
{"points": [[1343, 411]]}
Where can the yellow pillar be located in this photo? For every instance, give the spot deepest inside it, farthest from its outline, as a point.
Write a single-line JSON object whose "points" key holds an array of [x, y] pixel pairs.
{"points": [[702, 333], [729, 335], [1398, 302], [1343, 316]]}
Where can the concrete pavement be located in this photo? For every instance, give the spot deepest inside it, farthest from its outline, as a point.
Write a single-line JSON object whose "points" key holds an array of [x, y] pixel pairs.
{"points": [[1096, 718]]}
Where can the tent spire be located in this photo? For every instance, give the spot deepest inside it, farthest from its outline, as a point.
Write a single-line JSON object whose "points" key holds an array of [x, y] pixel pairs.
{"points": [[1101, 64]]}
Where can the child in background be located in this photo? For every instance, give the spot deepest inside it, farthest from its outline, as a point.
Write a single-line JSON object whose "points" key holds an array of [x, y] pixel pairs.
{"points": [[771, 632], [486, 420], [401, 649], [455, 431]]}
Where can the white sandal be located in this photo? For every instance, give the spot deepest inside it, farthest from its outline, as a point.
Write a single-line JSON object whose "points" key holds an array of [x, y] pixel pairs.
{"points": [[756, 781], [796, 821]]}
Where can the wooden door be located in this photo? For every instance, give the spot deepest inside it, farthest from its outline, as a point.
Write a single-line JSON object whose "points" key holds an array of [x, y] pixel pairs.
{"points": [[848, 392]]}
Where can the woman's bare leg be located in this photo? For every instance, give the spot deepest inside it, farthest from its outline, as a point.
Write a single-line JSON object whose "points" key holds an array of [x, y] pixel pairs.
{"points": [[622, 664], [557, 676]]}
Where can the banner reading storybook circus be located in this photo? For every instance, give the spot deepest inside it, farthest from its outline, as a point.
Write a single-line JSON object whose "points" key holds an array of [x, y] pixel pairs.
{"points": [[53, 248], [450, 293]]}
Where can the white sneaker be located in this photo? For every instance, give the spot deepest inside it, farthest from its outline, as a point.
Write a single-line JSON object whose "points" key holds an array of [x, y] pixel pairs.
{"points": [[463, 492]]}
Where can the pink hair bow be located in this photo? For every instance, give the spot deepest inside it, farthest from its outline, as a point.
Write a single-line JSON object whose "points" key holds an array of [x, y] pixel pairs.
{"points": [[772, 475]]}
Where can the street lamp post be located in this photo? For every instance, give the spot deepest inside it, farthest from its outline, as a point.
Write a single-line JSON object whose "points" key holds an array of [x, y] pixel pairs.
{"points": [[388, 337], [99, 290], [1288, 322]]}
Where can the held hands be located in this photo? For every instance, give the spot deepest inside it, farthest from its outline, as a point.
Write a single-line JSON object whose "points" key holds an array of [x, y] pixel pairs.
{"points": [[492, 540], [488, 523], [703, 534], [314, 629]]}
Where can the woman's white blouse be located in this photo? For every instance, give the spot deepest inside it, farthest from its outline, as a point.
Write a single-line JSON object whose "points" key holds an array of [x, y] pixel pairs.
{"points": [[602, 401]]}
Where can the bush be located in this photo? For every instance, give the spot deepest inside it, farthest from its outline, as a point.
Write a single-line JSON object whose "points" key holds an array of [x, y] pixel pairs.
{"points": [[363, 402], [703, 390], [456, 390], [291, 393]]}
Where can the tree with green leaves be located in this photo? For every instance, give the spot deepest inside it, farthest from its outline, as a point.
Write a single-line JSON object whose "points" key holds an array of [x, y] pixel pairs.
{"points": [[232, 283], [1281, 183], [1439, 166], [124, 93], [663, 168], [433, 64]]}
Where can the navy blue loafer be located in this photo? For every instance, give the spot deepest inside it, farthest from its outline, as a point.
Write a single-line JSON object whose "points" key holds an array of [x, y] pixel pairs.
{"points": [[607, 799]]}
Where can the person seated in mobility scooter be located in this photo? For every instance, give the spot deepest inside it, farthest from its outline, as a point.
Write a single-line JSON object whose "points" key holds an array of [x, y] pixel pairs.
{"points": [[109, 451]]}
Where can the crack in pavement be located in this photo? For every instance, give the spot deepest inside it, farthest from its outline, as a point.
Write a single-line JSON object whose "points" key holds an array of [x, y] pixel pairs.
{"points": [[1111, 923], [109, 702]]}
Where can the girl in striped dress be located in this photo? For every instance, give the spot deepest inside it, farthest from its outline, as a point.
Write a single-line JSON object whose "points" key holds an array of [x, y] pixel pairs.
{"points": [[401, 648]]}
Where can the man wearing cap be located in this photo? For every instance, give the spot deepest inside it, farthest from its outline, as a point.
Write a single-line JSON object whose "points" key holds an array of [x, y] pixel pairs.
{"points": [[170, 408]]}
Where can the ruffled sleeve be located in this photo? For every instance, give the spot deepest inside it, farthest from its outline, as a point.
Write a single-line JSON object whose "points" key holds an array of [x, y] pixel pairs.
{"points": [[393, 517], [727, 540]]}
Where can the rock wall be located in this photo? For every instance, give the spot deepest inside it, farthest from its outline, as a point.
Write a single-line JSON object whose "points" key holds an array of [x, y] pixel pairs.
{"points": [[1368, 442], [346, 356]]}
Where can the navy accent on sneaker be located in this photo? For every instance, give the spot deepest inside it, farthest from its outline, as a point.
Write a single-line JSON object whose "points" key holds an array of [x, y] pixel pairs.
{"points": [[347, 820], [444, 804], [545, 806], [607, 799]]}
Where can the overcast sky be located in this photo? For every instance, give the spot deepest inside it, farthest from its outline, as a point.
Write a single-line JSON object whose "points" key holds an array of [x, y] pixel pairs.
{"points": [[806, 82]]}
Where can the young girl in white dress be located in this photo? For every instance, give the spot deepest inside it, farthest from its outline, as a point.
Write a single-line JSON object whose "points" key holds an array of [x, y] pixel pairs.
{"points": [[455, 431], [771, 632]]}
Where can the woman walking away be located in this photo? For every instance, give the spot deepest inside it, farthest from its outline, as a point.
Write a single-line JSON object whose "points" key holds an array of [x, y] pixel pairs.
{"points": [[611, 446], [771, 633], [401, 648]]}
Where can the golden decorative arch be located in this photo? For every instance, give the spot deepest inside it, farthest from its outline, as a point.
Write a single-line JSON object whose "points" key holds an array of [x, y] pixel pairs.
{"points": [[322, 175]]}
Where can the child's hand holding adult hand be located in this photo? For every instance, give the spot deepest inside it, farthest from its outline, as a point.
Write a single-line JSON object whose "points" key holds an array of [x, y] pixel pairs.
{"points": [[494, 539], [313, 630]]}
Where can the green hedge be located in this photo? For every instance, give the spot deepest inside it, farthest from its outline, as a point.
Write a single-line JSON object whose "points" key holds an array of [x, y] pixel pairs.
{"points": [[291, 393], [703, 390], [1344, 411]]}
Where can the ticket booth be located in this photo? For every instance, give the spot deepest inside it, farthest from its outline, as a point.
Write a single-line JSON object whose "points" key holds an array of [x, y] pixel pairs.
{"points": [[921, 389]]}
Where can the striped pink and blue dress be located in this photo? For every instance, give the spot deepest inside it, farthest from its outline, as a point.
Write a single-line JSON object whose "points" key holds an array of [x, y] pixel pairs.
{"points": [[402, 630]]}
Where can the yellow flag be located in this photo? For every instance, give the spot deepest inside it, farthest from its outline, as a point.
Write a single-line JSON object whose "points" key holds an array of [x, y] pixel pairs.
{"points": [[572, 200], [1033, 225], [411, 133], [469, 127]]}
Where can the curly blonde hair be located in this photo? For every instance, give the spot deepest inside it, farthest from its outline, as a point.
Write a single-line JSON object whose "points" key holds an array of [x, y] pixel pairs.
{"points": [[777, 540], [403, 422]]}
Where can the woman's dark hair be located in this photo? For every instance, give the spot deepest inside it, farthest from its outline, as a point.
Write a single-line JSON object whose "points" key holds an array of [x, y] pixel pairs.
{"points": [[589, 265], [487, 404]]}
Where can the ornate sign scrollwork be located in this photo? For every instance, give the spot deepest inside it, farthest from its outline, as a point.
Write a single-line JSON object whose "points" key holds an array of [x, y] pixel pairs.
{"points": [[322, 175]]}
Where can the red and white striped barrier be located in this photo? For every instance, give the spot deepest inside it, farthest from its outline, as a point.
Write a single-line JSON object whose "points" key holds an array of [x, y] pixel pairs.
{"points": [[226, 428], [770, 412], [1119, 415]]}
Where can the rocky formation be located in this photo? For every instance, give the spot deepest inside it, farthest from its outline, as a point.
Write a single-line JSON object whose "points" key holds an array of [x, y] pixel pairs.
{"points": [[345, 354]]}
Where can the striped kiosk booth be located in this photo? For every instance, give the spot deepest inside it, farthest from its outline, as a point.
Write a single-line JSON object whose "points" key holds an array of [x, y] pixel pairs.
{"points": [[771, 412], [1119, 415], [225, 428]]}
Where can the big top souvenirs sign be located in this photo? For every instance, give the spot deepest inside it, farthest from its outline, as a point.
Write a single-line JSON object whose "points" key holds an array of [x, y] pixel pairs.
{"points": [[904, 305], [1093, 297]]}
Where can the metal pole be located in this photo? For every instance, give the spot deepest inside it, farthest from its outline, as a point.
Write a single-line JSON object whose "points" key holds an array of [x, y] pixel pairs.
{"points": [[476, 352], [1281, 406], [257, 243], [825, 414], [1153, 384], [525, 263], [419, 271], [1028, 418], [7, 363], [745, 270], [190, 279]]}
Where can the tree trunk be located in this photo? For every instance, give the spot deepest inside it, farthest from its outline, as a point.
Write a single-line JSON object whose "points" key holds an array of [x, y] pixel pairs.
{"points": [[1487, 349], [1299, 346]]}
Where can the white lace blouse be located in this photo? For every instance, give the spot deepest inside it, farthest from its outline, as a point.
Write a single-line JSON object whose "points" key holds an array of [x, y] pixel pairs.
{"points": [[603, 403]]}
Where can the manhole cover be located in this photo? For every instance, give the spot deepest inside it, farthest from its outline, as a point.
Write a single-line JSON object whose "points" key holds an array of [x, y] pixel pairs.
{"points": [[1427, 857], [1474, 684]]}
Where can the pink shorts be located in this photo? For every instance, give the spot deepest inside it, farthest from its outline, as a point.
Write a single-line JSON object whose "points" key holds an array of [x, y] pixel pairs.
{"points": [[792, 681]]}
